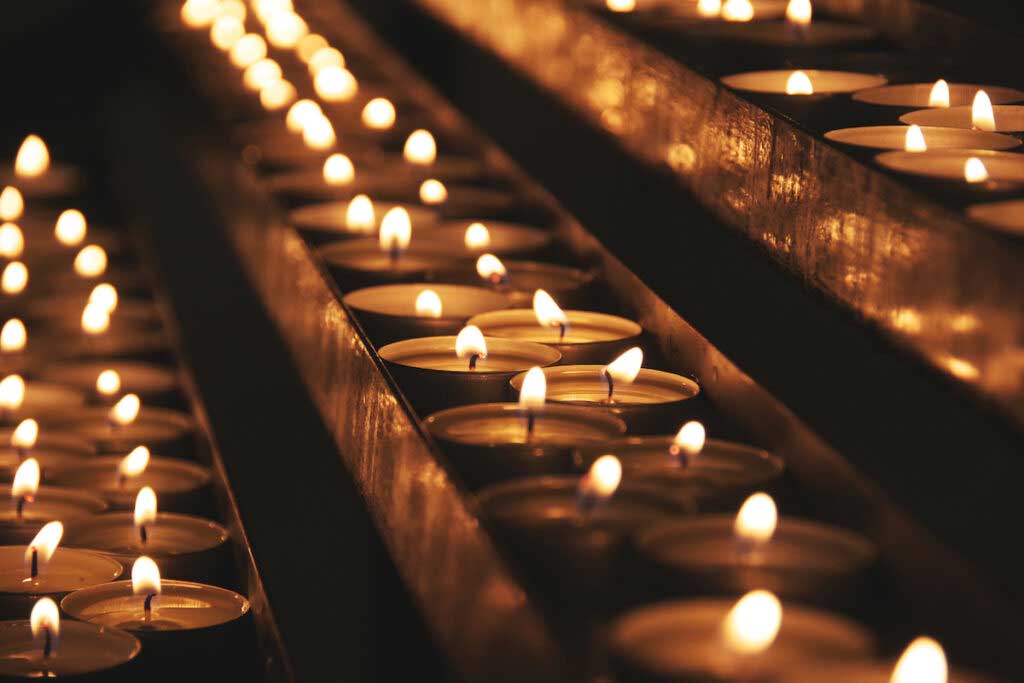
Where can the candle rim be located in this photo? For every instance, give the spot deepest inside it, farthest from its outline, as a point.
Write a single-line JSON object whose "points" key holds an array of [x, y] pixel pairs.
{"points": [[72, 630], [997, 93], [329, 217], [750, 81], [176, 420], [664, 378], [893, 160], [437, 423], [492, 322], [126, 519], [530, 353], [996, 141], [921, 117], [656, 446], [359, 299], [198, 475], [65, 554], [90, 503]]}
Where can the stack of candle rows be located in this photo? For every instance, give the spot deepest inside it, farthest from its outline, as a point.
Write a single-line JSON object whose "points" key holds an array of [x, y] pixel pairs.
{"points": [[106, 518], [588, 466], [957, 140]]}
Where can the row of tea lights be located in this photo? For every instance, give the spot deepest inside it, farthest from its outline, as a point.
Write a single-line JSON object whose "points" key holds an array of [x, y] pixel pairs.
{"points": [[464, 325], [80, 416]]}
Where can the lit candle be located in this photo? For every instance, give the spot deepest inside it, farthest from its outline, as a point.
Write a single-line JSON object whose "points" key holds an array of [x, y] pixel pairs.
{"points": [[199, 13], [501, 238], [923, 661], [70, 228], [980, 115], [301, 114], [339, 170], [420, 148], [91, 261], [248, 50], [14, 278], [520, 279], [40, 399], [621, 5], [33, 158], [937, 94], [128, 423], [261, 73], [285, 29], [226, 31], [319, 134], [802, 82], [433, 192], [12, 242], [981, 170], [325, 57], [105, 379], [13, 337], [12, 204], [308, 45], [33, 505], [360, 216], [895, 137], [379, 114], [335, 84], [277, 95]]}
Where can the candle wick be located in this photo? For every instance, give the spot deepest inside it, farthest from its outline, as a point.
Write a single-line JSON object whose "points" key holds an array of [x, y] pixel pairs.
{"points": [[473, 357], [20, 507], [679, 454], [531, 419], [561, 332], [35, 563], [143, 535], [147, 606], [48, 643], [21, 453], [121, 481], [611, 384], [395, 251], [499, 280]]}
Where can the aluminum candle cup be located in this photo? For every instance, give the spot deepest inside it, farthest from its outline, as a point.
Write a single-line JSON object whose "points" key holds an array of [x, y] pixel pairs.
{"points": [[569, 286], [48, 504], [184, 547], [1005, 216], [804, 560], [918, 95], [783, 34], [506, 239], [823, 82], [86, 652], [181, 486], [580, 560], [44, 401], [1008, 118], [719, 478], [329, 219], [152, 382], [64, 313], [433, 377], [1003, 170], [870, 671], [359, 263], [688, 10], [388, 313], [895, 138], [654, 403], [682, 640], [590, 337], [162, 429], [489, 442], [59, 181], [53, 450], [67, 570]]}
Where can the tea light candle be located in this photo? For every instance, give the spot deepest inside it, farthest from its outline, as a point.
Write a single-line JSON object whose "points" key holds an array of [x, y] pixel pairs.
{"points": [[1005, 216], [938, 94], [357, 217], [33, 505], [702, 11], [37, 176], [717, 474], [473, 239], [802, 83], [183, 486], [580, 336], [753, 639], [982, 115], [43, 569], [444, 372], [895, 137], [491, 442], [520, 279], [187, 547], [128, 423], [52, 455], [44, 647], [647, 400], [795, 558], [977, 169], [20, 399], [104, 380], [393, 312], [923, 661], [797, 31]]}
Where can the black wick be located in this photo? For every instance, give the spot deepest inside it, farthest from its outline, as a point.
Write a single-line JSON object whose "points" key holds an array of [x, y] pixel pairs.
{"points": [[396, 251], [35, 563], [143, 536], [147, 606], [611, 384], [473, 357], [531, 419], [48, 643], [561, 332], [20, 506]]}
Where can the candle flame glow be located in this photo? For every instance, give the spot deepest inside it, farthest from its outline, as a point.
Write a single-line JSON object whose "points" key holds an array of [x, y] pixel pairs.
{"points": [[145, 507], [939, 96], [428, 304], [145, 577], [490, 268], [922, 662], [91, 261], [799, 12], [420, 148], [198, 13], [14, 278], [534, 389], [285, 29], [301, 113], [625, 368], [325, 57], [70, 228], [12, 242], [12, 204], [261, 74], [433, 192], [690, 438], [277, 95], [126, 410], [248, 50], [319, 133], [753, 623], [226, 31], [360, 215], [914, 141], [105, 296], [45, 623], [308, 45], [44, 545], [547, 310], [379, 114], [975, 171], [477, 237], [33, 158], [13, 336], [470, 342], [737, 10], [95, 319], [799, 83], [982, 115], [756, 521], [335, 84], [108, 382], [602, 480], [26, 480], [621, 5], [12, 392], [395, 230], [709, 8], [338, 170], [25, 434], [134, 464]]}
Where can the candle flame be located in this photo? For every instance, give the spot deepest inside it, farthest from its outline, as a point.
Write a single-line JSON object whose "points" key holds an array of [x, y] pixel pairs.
{"points": [[33, 158], [939, 96], [300, 114], [338, 170], [248, 50], [91, 261], [126, 410], [108, 382], [26, 480], [95, 319], [914, 141], [982, 115], [308, 45], [799, 83], [547, 311], [799, 12], [395, 230], [70, 228], [690, 438], [335, 84], [285, 29], [25, 434], [277, 95], [105, 296], [325, 57], [420, 148], [433, 192], [45, 623], [145, 577], [753, 623], [922, 662], [490, 267], [470, 342], [134, 464], [428, 304], [145, 507], [975, 171], [756, 521], [13, 336], [44, 545], [198, 13], [14, 278], [477, 237], [379, 114], [12, 204], [602, 480], [709, 8], [226, 31], [626, 367], [231, 8], [12, 392], [737, 10], [12, 242], [621, 5], [261, 73], [534, 389], [360, 215], [319, 133]]}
